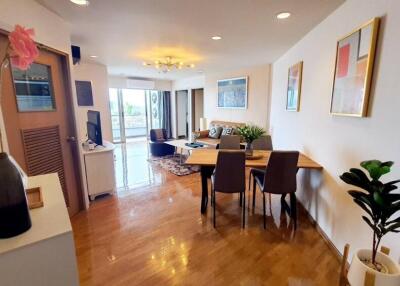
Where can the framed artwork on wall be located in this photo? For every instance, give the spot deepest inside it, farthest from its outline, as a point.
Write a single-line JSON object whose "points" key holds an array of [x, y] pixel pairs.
{"points": [[355, 54], [294, 87], [84, 93], [232, 93]]}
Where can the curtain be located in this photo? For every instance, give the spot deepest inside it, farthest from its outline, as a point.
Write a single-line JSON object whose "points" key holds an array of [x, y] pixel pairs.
{"points": [[165, 111]]}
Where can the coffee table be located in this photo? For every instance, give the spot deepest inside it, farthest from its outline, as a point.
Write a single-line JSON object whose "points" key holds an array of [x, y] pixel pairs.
{"points": [[181, 144]]}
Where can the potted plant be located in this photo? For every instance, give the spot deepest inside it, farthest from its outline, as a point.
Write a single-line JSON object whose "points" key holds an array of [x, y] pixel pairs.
{"points": [[380, 204], [249, 134]]}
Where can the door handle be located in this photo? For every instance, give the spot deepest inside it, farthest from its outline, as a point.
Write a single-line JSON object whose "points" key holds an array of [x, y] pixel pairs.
{"points": [[71, 139]]}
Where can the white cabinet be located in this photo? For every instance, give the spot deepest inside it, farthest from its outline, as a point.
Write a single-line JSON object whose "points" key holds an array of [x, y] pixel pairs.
{"points": [[45, 254], [99, 170]]}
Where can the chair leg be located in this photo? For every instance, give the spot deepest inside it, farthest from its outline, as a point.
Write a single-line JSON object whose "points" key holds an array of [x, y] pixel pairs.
{"points": [[250, 181], [244, 209], [265, 222], [240, 199], [293, 208], [213, 198], [254, 193]]}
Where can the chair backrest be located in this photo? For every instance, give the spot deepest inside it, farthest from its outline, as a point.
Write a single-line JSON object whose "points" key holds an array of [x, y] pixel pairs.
{"points": [[230, 142], [158, 134], [230, 174], [280, 175], [263, 143]]}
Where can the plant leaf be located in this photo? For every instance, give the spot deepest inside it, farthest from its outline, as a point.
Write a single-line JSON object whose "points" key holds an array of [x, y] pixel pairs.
{"points": [[375, 229], [363, 205], [393, 227]]}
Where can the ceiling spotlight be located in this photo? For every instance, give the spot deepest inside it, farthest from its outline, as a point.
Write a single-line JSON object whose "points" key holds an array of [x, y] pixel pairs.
{"points": [[216, 38], [283, 15], [80, 2], [93, 56]]}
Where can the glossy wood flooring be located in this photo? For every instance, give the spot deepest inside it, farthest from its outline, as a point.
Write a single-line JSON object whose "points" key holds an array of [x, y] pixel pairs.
{"points": [[157, 236]]}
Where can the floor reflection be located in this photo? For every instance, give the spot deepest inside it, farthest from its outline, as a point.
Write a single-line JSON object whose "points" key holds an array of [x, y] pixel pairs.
{"points": [[132, 169]]}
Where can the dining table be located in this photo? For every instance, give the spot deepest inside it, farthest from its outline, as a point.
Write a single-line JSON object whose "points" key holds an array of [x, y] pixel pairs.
{"points": [[207, 159]]}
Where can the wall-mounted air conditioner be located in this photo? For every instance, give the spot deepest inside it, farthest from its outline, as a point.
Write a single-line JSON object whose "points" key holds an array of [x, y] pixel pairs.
{"points": [[140, 84]]}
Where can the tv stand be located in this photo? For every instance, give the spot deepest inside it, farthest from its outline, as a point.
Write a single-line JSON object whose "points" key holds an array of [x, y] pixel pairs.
{"points": [[100, 170]]}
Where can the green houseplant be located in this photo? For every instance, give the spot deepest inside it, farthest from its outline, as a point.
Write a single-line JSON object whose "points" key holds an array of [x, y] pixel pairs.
{"points": [[381, 204], [249, 134]]}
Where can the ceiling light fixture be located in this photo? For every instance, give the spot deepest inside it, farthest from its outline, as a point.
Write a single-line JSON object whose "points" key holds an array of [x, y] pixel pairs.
{"points": [[283, 15], [167, 64], [93, 56], [80, 2], [216, 38]]}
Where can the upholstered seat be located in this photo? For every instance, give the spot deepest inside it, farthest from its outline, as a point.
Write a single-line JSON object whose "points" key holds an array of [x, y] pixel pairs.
{"points": [[158, 147]]}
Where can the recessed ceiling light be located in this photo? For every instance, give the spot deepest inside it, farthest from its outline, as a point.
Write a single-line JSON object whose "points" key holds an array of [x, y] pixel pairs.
{"points": [[93, 56], [283, 15], [216, 38], [80, 2]]}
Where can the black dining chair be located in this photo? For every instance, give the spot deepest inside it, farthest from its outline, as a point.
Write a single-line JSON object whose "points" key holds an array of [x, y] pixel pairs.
{"points": [[279, 177], [229, 142], [262, 143], [229, 177]]}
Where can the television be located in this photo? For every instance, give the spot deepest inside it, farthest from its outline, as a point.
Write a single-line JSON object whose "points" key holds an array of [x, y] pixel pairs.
{"points": [[94, 127]]}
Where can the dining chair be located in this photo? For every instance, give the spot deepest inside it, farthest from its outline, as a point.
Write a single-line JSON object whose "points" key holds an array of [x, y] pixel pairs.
{"points": [[229, 177], [262, 143], [229, 142], [279, 177]]}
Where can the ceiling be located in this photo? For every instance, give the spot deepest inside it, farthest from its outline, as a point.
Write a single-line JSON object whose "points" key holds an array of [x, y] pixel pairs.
{"points": [[125, 33]]}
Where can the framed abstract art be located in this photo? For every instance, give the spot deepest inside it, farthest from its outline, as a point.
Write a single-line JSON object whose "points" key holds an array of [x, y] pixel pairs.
{"points": [[355, 54], [294, 87], [232, 93]]}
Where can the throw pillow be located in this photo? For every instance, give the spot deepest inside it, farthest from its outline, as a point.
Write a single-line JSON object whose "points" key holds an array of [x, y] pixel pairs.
{"points": [[215, 132], [228, 131]]}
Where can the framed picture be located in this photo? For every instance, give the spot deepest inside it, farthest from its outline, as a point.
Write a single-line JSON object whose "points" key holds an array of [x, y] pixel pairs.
{"points": [[294, 87], [232, 93], [84, 93], [355, 54]]}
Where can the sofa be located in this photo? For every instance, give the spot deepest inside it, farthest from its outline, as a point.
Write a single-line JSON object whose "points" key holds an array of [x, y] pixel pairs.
{"points": [[205, 137], [158, 147]]}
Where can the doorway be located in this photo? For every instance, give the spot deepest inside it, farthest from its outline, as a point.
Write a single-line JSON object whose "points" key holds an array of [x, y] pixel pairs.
{"points": [[182, 112], [39, 121], [197, 108]]}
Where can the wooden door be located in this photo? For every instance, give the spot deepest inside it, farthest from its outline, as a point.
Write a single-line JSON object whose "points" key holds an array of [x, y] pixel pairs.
{"points": [[39, 120]]}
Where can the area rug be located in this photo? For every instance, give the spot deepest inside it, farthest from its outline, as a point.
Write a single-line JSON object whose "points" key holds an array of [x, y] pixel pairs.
{"points": [[171, 164]]}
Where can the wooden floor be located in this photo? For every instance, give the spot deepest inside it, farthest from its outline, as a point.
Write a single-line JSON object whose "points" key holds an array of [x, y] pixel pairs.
{"points": [[157, 236]]}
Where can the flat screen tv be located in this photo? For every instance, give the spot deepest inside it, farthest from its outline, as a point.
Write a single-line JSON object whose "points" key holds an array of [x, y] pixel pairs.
{"points": [[94, 127]]}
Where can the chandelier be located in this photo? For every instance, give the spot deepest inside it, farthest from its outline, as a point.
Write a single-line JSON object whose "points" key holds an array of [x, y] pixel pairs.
{"points": [[167, 64]]}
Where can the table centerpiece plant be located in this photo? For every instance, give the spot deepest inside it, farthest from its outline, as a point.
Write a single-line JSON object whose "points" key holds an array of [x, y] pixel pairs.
{"points": [[249, 134], [381, 204]]}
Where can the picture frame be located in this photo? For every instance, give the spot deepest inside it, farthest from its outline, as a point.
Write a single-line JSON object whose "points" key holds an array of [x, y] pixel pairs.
{"points": [[84, 93], [293, 94], [232, 93], [354, 63]]}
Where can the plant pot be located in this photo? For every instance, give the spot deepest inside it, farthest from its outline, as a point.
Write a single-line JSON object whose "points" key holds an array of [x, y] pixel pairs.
{"points": [[249, 149], [358, 269], [14, 212]]}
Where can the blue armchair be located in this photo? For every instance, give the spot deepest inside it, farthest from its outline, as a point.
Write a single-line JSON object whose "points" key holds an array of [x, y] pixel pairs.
{"points": [[158, 147]]}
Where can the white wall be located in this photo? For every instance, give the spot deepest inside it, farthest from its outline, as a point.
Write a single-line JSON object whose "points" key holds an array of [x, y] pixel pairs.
{"points": [[198, 107], [257, 98], [97, 74], [339, 143], [182, 109]]}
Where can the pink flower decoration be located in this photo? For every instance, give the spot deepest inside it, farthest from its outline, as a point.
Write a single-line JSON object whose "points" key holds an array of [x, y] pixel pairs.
{"points": [[23, 48]]}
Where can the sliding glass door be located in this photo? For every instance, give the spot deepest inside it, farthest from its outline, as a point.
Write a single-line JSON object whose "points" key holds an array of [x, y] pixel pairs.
{"points": [[128, 113]]}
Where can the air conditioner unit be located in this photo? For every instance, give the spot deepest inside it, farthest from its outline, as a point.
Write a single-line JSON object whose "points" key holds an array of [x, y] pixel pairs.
{"points": [[140, 84]]}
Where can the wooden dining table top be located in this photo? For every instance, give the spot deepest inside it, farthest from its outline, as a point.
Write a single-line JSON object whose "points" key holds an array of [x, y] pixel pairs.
{"points": [[208, 157]]}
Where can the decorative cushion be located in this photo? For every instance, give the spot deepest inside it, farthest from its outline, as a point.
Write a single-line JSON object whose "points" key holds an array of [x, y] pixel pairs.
{"points": [[228, 131], [159, 135], [215, 132]]}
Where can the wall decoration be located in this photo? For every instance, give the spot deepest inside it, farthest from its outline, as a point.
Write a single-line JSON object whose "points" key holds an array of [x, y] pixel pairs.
{"points": [[294, 87], [355, 55], [84, 93], [232, 93]]}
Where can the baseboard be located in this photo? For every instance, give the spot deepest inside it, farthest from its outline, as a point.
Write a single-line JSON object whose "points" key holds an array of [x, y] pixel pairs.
{"points": [[321, 232]]}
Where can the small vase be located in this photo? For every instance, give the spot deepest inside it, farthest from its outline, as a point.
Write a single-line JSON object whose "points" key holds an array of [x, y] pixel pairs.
{"points": [[14, 212], [249, 149]]}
